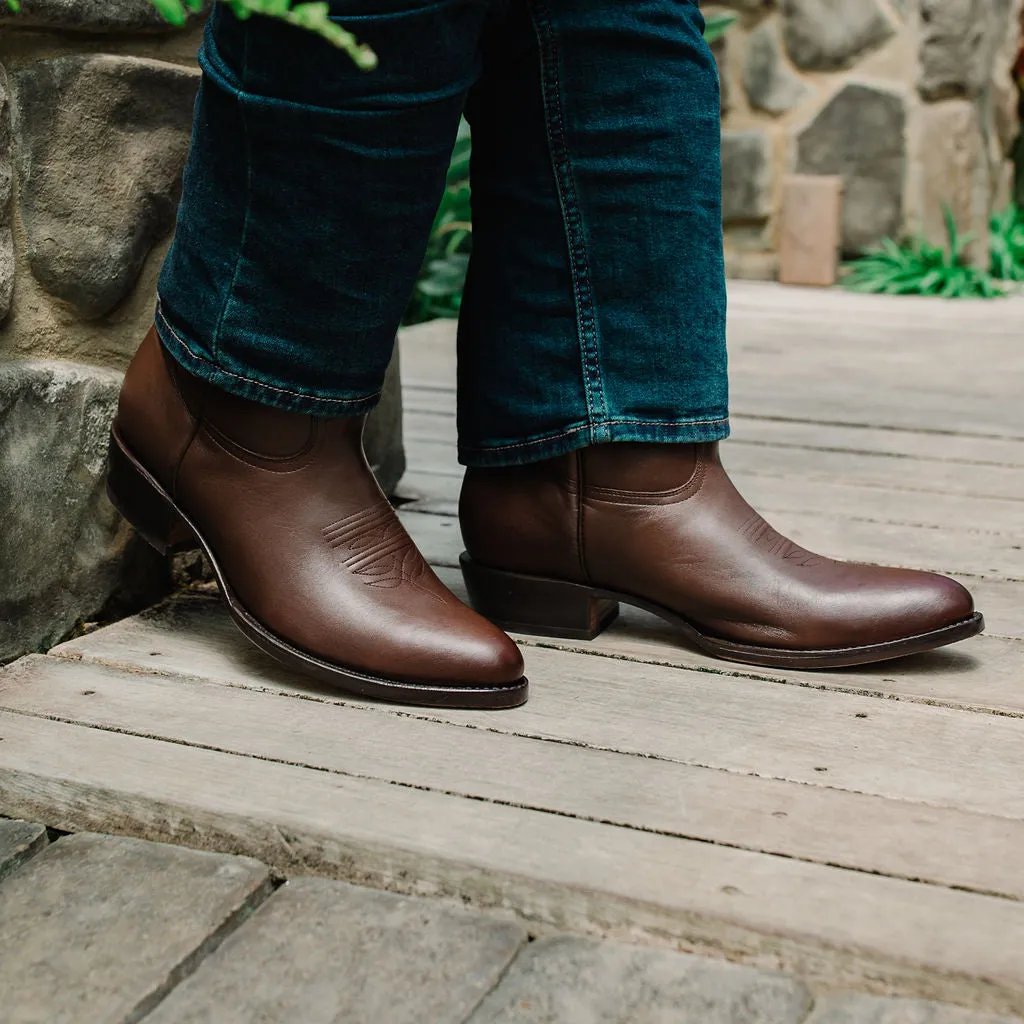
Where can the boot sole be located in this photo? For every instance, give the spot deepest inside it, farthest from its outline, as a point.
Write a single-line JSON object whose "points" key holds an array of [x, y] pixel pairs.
{"points": [[161, 523], [547, 607]]}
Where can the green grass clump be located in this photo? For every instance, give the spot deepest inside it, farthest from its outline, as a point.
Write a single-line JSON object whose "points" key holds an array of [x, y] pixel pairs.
{"points": [[438, 292], [1007, 244], [918, 267]]}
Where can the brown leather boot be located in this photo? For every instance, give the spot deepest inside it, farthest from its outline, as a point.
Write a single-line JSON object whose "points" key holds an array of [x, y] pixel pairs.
{"points": [[311, 558], [553, 547]]}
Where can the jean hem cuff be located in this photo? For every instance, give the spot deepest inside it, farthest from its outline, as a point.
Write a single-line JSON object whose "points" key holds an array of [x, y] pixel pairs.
{"points": [[254, 390], [693, 431]]}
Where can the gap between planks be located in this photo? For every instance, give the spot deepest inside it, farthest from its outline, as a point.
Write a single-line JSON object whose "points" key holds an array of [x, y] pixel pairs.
{"points": [[941, 846], [823, 738], [981, 676], [857, 832], [432, 410], [837, 926]]}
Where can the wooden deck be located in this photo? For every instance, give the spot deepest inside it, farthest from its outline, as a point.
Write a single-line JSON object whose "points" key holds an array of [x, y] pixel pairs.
{"points": [[864, 828]]}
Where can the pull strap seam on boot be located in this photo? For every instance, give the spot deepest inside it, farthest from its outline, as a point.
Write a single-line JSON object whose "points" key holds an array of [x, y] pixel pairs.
{"points": [[197, 423], [615, 496], [580, 487]]}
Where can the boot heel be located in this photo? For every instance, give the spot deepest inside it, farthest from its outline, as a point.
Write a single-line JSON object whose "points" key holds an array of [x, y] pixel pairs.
{"points": [[141, 501], [533, 604]]}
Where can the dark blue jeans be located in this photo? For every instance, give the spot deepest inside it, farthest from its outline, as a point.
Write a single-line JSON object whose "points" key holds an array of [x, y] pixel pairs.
{"points": [[594, 309]]}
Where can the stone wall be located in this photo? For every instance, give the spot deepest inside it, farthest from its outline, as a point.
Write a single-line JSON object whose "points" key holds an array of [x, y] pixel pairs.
{"points": [[95, 112], [910, 101]]}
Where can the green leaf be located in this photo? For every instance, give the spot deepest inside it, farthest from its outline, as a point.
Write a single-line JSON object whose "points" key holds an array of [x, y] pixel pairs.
{"points": [[1006, 247], [715, 26], [314, 17], [171, 11]]}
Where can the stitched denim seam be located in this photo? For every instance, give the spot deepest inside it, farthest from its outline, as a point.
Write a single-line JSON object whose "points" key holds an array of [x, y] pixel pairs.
{"points": [[586, 426], [229, 295], [259, 383], [586, 320]]}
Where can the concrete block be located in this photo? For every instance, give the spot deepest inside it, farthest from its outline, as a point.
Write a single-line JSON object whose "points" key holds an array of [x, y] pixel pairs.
{"points": [[854, 1008], [810, 229], [96, 929], [578, 981], [321, 951], [19, 840]]}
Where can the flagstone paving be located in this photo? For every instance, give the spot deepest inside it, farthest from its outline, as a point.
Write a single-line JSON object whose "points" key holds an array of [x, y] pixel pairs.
{"points": [[116, 930]]}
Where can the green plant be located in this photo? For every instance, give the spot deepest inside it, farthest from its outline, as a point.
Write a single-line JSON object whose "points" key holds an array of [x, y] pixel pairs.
{"points": [[312, 15], [920, 268], [1007, 244], [715, 26], [438, 292]]}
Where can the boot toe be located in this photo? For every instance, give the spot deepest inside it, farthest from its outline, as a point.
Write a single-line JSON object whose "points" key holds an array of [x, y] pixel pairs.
{"points": [[491, 661], [942, 602], [906, 603], [465, 650]]}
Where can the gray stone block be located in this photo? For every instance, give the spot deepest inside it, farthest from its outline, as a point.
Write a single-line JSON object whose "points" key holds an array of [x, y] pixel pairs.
{"points": [[320, 952], [577, 981], [98, 928], [860, 134], [854, 1008], [771, 85], [90, 16], [825, 34], [7, 264], [19, 840], [100, 145], [63, 549], [959, 39], [382, 436], [720, 48], [746, 175]]}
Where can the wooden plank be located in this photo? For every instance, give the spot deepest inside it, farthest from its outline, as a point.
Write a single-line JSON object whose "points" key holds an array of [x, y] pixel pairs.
{"points": [[196, 636], [772, 386], [437, 400], [898, 749], [983, 674], [837, 357], [841, 438], [430, 414], [876, 471], [946, 847], [822, 922]]}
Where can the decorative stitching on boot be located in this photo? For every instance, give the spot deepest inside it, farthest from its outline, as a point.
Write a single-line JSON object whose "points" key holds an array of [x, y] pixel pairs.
{"points": [[764, 536], [377, 549]]}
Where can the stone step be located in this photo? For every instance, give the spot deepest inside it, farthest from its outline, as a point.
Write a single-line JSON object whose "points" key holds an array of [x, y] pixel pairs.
{"points": [[322, 951], [97, 929], [19, 840], [101, 928]]}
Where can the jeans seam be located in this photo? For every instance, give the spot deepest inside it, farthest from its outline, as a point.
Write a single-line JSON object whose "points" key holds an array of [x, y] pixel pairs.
{"points": [[572, 218], [229, 295], [586, 426], [252, 380]]}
